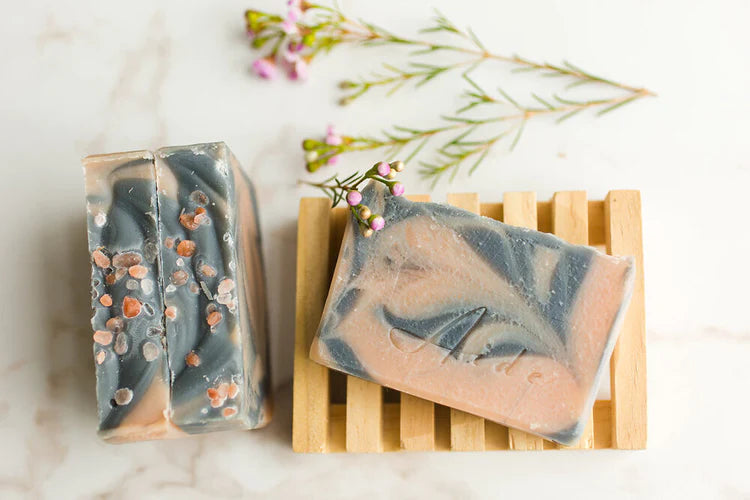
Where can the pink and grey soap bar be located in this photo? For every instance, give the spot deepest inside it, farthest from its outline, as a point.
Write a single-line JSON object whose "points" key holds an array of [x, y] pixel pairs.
{"points": [[178, 293], [506, 323]]}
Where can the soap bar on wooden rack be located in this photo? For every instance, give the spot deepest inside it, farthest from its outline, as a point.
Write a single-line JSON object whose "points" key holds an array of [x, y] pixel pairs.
{"points": [[507, 323], [178, 290]]}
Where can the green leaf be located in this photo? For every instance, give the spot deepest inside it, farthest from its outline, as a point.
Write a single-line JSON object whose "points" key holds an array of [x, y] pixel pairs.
{"points": [[542, 101], [518, 135], [619, 104], [569, 114]]}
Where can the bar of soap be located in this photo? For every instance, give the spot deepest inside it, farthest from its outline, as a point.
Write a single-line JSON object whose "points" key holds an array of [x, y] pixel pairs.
{"points": [[178, 293], [507, 323]]}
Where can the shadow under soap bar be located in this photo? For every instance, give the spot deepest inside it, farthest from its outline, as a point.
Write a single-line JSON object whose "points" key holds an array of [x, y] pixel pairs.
{"points": [[178, 294], [507, 323]]}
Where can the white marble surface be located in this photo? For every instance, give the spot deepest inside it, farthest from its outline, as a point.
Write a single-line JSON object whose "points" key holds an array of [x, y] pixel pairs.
{"points": [[90, 76]]}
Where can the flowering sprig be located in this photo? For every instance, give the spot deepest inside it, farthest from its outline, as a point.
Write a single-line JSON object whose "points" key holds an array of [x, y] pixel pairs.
{"points": [[467, 139], [348, 189], [310, 29]]}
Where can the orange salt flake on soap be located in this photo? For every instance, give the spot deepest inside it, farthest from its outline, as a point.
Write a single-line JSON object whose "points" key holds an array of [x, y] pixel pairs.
{"points": [[170, 312], [223, 390], [103, 337], [192, 359], [207, 270], [110, 279], [228, 412], [180, 277], [100, 259], [234, 389], [214, 318], [212, 393], [200, 216], [106, 300], [115, 324], [169, 242], [186, 248], [100, 357], [138, 271], [216, 402], [131, 307], [127, 259], [188, 221]]}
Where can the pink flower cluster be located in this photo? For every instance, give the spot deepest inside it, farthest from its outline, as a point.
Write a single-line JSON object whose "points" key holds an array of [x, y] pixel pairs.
{"points": [[333, 138], [289, 57], [381, 172]]}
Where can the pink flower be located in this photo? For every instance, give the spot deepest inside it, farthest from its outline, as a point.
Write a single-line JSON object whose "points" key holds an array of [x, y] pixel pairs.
{"points": [[293, 46], [354, 198], [383, 169], [397, 189], [299, 70], [332, 137], [376, 222], [294, 14], [289, 27], [333, 160], [265, 68]]}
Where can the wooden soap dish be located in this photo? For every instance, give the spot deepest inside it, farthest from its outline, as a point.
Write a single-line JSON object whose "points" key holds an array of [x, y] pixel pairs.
{"points": [[333, 412]]}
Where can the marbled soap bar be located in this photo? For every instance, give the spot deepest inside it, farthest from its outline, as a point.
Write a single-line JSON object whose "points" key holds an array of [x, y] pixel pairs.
{"points": [[132, 374], [178, 294], [213, 289], [506, 323]]}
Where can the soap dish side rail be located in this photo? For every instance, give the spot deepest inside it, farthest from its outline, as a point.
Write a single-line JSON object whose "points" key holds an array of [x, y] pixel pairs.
{"points": [[333, 412]]}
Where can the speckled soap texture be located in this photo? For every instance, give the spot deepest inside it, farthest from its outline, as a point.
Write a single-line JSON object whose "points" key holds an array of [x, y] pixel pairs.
{"points": [[213, 289], [506, 323], [178, 294], [129, 350]]}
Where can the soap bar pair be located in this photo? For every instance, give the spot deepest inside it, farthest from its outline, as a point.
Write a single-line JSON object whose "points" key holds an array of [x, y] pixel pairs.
{"points": [[507, 323], [178, 293]]}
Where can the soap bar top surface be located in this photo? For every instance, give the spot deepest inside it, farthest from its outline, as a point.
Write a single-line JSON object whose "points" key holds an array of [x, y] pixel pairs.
{"points": [[213, 287], [131, 362], [178, 293], [507, 323]]}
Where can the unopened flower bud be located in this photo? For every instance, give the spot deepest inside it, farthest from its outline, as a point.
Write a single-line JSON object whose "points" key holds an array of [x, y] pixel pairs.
{"points": [[367, 232], [391, 175], [364, 212], [398, 165], [376, 222], [397, 189], [310, 144], [353, 198], [311, 156], [382, 168]]}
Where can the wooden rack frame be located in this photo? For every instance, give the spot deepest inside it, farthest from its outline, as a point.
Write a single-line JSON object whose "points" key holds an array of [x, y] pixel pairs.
{"points": [[333, 412]]}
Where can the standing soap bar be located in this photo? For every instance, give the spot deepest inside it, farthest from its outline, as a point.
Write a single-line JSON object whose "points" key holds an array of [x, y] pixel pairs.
{"points": [[213, 289], [506, 323], [129, 344], [179, 294]]}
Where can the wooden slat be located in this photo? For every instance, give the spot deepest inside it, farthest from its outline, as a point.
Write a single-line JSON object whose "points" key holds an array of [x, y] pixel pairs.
{"points": [[311, 395], [602, 424], [570, 221], [520, 209], [467, 431], [417, 415], [623, 232], [364, 416], [339, 218]]}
